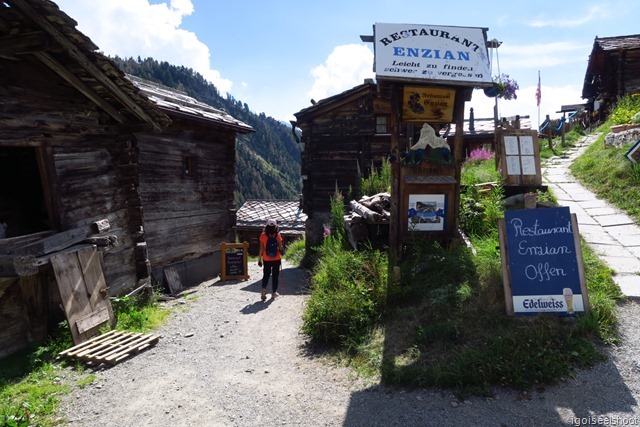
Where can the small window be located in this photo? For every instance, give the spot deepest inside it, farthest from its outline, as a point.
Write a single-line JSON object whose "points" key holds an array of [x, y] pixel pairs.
{"points": [[189, 167], [382, 125]]}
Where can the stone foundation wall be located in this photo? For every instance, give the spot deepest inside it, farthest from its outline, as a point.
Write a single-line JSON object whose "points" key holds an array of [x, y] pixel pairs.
{"points": [[621, 135]]}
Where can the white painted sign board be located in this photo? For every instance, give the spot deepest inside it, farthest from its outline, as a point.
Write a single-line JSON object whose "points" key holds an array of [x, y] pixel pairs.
{"points": [[432, 53]]}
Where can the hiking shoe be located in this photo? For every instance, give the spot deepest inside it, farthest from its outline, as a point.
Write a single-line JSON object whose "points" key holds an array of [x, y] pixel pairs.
{"points": [[263, 296], [273, 295]]}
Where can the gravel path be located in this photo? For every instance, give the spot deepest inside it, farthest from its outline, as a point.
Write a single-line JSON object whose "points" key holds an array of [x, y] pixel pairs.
{"points": [[227, 359]]}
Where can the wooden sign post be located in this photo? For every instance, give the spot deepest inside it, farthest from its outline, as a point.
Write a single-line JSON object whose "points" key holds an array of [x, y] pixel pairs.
{"points": [[542, 262], [518, 155], [234, 261]]}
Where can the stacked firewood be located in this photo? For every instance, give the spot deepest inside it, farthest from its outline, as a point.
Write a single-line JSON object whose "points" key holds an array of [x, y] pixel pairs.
{"points": [[369, 210]]}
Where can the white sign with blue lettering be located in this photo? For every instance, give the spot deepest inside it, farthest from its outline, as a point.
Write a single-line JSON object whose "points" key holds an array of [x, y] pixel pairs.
{"points": [[430, 52]]}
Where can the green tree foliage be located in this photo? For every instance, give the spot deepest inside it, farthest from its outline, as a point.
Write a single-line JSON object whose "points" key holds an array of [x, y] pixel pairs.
{"points": [[267, 161]]}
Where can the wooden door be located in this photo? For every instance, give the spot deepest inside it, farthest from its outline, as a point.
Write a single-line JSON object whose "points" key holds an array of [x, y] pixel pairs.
{"points": [[83, 291]]}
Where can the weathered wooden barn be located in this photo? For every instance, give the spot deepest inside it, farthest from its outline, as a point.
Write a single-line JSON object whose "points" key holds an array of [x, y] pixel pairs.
{"points": [[102, 187], [69, 171], [342, 137], [613, 71], [187, 178]]}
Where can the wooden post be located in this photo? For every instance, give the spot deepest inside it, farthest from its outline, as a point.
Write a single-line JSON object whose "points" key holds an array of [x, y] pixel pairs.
{"points": [[395, 242], [562, 130], [34, 297], [549, 135], [462, 95]]}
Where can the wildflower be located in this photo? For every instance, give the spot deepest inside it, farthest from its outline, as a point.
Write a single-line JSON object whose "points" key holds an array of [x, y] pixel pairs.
{"points": [[506, 86], [480, 154]]}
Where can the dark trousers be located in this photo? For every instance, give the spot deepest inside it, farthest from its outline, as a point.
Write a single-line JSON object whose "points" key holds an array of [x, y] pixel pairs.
{"points": [[271, 269]]}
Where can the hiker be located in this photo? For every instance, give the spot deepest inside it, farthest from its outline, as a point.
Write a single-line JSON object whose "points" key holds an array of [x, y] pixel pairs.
{"points": [[270, 252]]}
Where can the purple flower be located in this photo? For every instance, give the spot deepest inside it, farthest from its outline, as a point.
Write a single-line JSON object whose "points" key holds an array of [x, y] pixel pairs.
{"points": [[326, 231], [480, 154], [507, 87]]}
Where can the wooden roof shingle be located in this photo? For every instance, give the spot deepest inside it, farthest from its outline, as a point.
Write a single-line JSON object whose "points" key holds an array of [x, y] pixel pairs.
{"points": [[75, 58], [288, 214], [173, 101]]}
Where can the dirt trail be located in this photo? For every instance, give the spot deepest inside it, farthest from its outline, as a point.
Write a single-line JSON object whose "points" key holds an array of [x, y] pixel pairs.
{"points": [[227, 359]]}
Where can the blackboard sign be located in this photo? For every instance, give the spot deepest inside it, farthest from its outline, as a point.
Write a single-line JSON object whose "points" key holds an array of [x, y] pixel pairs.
{"points": [[234, 261], [542, 262]]}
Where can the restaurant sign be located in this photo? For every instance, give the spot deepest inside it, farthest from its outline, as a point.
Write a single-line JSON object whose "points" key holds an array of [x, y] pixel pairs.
{"points": [[432, 53]]}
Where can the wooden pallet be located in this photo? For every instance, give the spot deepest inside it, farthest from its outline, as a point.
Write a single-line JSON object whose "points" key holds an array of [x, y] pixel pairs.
{"points": [[111, 347]]}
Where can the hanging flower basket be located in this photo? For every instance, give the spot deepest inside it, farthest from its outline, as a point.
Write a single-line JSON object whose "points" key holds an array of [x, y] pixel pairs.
{"points": [[506, 87], [492, 91]]}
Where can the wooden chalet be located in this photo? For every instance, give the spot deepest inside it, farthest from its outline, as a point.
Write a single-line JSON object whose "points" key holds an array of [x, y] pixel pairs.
{"points": [[253, 215], [104, 187], [70, 208], [187, 180], [344, 135], [613, 71]]}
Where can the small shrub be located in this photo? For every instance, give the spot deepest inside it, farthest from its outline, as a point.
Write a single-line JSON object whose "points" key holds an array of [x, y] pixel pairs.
{"points": [[479, 212], [347, 296], [625, 109], [137, 314], [336, 227], [295, 252], [378, 181]]}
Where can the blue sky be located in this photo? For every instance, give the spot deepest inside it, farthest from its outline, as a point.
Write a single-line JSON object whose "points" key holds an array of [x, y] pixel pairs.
{"points": [[278, 55]]}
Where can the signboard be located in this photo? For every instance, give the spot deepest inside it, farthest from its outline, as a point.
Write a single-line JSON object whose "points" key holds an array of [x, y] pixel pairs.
{"points": [[427, 212], [431, 52], [634, 153], [519, 155], [234, 261], [427, 104], [542, 262]]}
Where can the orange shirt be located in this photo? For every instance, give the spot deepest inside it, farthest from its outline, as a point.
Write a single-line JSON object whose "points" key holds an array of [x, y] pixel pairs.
{"points": [[263, 245]]}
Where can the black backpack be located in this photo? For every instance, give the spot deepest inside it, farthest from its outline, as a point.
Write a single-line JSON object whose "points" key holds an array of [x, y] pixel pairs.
{"points": [[272, 246]]}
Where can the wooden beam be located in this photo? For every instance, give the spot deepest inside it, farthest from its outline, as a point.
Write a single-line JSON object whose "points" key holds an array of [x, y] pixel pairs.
{"points": [[91, 68], [17, 44], [53, 243]]}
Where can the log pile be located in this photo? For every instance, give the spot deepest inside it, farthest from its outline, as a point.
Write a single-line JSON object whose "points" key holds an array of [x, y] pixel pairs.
{"points": [[366, 212]]}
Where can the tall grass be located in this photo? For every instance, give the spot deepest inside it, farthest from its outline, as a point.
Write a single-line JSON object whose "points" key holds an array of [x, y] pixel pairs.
{"points": [[443, 322], [610, 175], [378, 181]]}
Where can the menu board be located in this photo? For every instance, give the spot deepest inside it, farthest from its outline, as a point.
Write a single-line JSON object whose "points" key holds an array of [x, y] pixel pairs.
{"points": [[543, 261], [234, 261]]}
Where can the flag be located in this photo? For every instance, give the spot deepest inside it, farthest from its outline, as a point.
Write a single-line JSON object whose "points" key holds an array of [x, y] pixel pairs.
{"points": [[538, 91]]}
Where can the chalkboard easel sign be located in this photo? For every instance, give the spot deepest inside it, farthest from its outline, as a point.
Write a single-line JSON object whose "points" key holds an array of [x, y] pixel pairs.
{"points": [[542, 263], [234, 261]]}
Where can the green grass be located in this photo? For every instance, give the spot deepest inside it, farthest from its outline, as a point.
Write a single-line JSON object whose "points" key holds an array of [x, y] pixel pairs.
{"points": [[443, 321], [29, 385], [139, 315], [610, 175]]}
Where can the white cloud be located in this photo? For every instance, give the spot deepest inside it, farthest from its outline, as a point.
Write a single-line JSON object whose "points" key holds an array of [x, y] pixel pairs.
{"points": [[594, 14], [512, 56], [345, 67], [552, 99], [132, 28]]}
